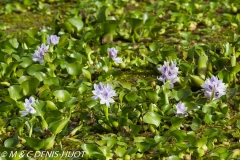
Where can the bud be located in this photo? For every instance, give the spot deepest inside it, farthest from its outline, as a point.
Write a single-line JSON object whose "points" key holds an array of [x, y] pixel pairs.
{"points": [[196, 80], [152, 128], [115, 124], [209, 66]]}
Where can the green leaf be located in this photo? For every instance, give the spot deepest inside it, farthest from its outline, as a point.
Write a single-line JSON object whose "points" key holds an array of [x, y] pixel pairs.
{"points": [[11, 142], [34, 143], [153, 96], [183, 94], [40, 76], [15, 92], [87, 74], [57, 126], [135, 129], [11, 67], [120, 151], [49, 142], [90, 148], [74, 68], [32, 69], [208, 118], [143, 146], [212, 133], [179, 135], [150, 21], [155, 46], [14, 42], [176, 122], [5, 106], [135, 22], [196, 123], [126, 85], [152, 118], [62, 95], [30, 86], [224, 75], [109, 26], [76, 22], [51, 81], [18, 124], [67, 26], [132, 96]]}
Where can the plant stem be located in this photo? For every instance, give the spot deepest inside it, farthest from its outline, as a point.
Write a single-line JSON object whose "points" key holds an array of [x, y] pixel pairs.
{"points": [[105, 110], [165, 96]]}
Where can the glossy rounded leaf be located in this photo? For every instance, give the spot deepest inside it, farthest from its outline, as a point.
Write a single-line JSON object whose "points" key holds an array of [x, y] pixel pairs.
{"points": [[51, 81], [11, 142], [179, 135], [183, 94], [76, 22], [62, 95], [153, 96], [15, 92], [152, 118], [126, 85], [30, 86], [132, 96], [196, 123], [74, 68], [14, 42], [40, 76], [120, 151], [32, 69]]}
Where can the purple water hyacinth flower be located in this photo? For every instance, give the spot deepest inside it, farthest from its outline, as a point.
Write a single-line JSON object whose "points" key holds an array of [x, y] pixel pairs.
{"points": [[53, 39], [98, 90], [38, 55], [213, 88], [181, 109], [43, 48], [104, 93], [169, 73], [28, 107], [113, 54]]}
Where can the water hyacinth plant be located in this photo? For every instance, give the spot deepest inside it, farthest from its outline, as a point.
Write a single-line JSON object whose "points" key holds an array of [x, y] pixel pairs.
{"points": [[166, 115], [213, 88], [28, 107], [169, 73], [53, 39], [113, 54]]}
